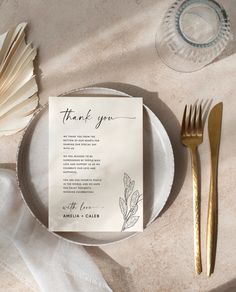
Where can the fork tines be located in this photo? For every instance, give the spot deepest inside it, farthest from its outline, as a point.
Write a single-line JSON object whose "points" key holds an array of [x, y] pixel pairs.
{"points": [[192, 123]]}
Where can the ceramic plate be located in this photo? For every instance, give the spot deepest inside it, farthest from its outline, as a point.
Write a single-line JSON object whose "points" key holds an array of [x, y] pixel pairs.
{"points": [[32, 169]]}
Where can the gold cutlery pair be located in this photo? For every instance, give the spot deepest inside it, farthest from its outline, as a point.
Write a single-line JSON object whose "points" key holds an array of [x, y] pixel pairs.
{"points": [[192, 137]]}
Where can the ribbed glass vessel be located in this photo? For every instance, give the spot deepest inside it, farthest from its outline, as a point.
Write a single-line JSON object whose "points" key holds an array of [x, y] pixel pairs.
{"points": [[192, 34]]}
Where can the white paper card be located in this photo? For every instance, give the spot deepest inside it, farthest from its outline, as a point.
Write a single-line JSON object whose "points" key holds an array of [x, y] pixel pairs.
{"points": [[95, 164]]}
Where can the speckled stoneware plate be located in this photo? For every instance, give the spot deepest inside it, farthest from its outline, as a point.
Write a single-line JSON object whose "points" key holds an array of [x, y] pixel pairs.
{"points": [[32, 169]]}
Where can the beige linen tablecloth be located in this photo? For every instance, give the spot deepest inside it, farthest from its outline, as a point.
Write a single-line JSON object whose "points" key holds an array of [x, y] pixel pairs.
{"points": [[112, 43]]}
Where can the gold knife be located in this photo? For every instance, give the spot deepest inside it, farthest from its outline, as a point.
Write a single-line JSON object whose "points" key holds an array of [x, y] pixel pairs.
{"points": [[214, 132]]}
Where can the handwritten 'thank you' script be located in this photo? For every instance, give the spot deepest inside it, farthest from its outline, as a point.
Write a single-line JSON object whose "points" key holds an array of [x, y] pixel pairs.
{"points": [[69, 115]]}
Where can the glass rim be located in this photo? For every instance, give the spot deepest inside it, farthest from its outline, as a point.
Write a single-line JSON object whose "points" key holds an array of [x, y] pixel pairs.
{"points": [[220, 11]]}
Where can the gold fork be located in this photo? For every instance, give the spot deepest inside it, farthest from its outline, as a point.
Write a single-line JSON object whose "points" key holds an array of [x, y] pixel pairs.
{"points": [[191, 137]]}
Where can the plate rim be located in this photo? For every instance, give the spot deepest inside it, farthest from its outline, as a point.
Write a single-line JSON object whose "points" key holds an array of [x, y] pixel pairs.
{"points": [[167, 189]]}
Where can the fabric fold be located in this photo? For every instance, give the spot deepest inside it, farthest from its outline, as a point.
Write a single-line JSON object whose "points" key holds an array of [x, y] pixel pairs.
{"points": [[55, 263]]}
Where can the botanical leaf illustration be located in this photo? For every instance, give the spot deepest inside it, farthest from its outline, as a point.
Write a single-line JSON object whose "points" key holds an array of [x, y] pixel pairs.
{"points": [[126, 194], [126, 180], [134, 210], [134, 199], [131, 221], [129, 205], [18, 88], [131, 187], [123, 207]]}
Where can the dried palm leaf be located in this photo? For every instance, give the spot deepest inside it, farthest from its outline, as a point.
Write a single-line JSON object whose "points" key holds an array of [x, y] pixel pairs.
{"points": [[18, 87]]}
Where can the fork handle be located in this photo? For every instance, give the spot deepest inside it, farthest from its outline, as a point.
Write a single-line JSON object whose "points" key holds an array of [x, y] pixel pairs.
{"points": [[196, 211]]}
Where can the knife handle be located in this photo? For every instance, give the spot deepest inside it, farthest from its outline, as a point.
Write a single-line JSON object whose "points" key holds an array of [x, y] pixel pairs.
{"points": [[212, 223], [196, 211]]}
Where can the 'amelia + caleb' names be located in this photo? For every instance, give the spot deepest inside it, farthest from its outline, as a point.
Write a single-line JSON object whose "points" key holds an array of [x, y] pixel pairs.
{"points": [[86, 211]]}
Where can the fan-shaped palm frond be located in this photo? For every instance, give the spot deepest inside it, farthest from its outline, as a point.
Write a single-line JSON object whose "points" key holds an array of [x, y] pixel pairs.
{"points": [[18, 87]]}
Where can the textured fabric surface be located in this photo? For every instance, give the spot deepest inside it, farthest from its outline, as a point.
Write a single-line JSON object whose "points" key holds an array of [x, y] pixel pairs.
{"points": [[54, 263]]}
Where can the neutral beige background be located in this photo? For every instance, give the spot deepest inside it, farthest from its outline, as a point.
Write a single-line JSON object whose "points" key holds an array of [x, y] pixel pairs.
{"points": [[110, 42]]}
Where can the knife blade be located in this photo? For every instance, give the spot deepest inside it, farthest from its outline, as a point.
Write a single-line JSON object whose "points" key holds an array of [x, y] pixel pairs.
{"points": [[214, 132]]}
